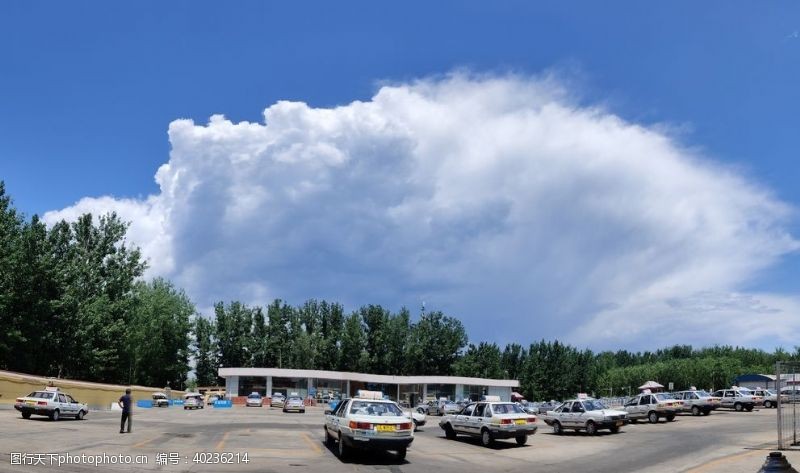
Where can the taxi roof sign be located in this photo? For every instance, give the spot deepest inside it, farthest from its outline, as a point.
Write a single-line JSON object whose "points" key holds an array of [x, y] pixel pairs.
{"points": [[51, 388], [583, 396], [491, 398], [364, 394]]}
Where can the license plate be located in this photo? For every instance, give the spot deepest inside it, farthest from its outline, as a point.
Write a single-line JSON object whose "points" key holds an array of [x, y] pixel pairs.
{"points": [[619, 423], [386, 428], [30, 403], [520, 421]]}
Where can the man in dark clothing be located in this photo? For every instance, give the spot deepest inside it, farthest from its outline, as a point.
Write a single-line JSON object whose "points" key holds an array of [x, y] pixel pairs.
{"points": [[125, 403]]}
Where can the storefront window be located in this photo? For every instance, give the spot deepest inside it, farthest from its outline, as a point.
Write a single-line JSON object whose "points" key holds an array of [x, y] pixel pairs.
{"points": [[251, 384], [326, 390], [438, 391], [289, 386]]}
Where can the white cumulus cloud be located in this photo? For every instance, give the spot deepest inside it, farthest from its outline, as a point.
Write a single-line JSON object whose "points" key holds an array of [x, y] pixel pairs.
{"points": [[497, 199]]}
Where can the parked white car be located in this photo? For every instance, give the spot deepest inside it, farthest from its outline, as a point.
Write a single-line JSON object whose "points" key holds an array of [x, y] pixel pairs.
{"points": [[738, 399], [193, 401], [490, 420], [697, 401], [254, 400], [652, 407], [368, 422], [587, 414], [160, 400]]}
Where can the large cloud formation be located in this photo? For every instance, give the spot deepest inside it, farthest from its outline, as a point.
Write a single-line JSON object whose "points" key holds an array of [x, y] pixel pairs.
{"points": [[496, 199]]}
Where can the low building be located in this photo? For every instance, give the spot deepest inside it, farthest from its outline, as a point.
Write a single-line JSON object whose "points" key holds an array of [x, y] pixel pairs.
{"points": [[766, 381], [326, 385]]}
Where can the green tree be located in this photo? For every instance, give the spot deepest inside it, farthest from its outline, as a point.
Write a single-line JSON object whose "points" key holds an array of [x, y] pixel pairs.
{"points": [[354, 356], [204, 351], [163, 313]]}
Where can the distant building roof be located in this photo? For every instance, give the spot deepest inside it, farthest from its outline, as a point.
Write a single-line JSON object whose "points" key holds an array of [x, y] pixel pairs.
{"points": [[367, 378]]}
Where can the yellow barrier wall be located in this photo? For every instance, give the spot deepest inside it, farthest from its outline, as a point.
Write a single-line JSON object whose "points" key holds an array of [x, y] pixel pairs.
{"points": [[96, 395]]}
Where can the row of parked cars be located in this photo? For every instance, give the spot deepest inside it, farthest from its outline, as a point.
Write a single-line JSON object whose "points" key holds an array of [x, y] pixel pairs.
{"points": [[292, 403], [591, 415]]}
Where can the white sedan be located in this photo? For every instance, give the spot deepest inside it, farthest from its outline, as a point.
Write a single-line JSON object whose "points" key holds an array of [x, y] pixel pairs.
{"points": [[367, 423]]}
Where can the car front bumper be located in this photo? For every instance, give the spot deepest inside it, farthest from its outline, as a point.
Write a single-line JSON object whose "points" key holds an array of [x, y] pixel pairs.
{"points": [[609, 423]]}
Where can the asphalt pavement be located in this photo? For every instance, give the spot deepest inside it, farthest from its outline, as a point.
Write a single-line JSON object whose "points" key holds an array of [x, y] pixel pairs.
{"points": [[267, 440]]}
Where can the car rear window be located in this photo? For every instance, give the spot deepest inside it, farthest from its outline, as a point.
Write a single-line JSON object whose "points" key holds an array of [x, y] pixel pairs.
{"points": [[507, 409], [42, 395], [373, 408]]}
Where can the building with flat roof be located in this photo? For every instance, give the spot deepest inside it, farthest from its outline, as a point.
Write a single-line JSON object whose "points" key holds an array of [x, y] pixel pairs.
{"points": [[326, 385]]}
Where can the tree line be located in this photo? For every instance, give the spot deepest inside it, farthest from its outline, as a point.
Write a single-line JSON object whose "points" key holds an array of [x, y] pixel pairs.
{"points": [[74, 303]]}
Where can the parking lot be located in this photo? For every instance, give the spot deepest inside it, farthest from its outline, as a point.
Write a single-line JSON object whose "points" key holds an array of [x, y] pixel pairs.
{"points": [[274, 441]]}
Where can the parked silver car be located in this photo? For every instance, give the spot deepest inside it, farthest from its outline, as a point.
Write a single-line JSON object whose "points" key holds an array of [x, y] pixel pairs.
{"points": [[490, 421], [738, 399], [652, 407], [697, 401], [294, 404], [590, 415]]}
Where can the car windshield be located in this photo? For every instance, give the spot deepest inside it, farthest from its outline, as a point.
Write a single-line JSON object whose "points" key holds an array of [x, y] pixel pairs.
{"points": [[41, 394], [507, 408], [255, 396], [664, 397], [702, 393], [295, 399], [594, 405], [374, 408], [745, 392]]}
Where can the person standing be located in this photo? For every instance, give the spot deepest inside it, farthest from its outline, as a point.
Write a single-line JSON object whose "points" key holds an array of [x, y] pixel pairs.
{"points": [[125, 403]]}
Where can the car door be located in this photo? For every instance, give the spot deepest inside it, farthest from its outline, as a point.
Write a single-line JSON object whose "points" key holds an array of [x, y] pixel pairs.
{"points": [[62, 404], [73, 405], [333, 421], [631, 407], [564, 414], [578, 414], [460, 420], [475, 421]]}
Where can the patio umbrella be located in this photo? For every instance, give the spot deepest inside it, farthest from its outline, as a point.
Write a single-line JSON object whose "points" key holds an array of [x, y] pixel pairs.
{"points": [[516, 395], [651, 385]]}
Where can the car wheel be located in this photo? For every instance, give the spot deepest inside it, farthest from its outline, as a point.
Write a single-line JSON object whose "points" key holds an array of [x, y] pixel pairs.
{"points": [[184, 408], [449, 432], [634, 421], [652, 417], [706, 412], [738, 407], [670, 417], [522, 440], [26, 415], [486, 438], [749, 408], [416, 427], [614, 429], [557, 429], [328, 438], [591, 428], [401, 453], [79, 416], [695, 411], [768, 404], [55, 415], [420, 410], [344, 450]]}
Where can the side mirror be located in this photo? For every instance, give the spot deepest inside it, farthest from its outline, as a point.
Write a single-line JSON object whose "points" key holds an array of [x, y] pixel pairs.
{"points": [[328, 412]]}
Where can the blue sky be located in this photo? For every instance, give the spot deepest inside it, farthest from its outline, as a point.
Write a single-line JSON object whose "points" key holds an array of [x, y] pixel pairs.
{"points": [[89, 89]]}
